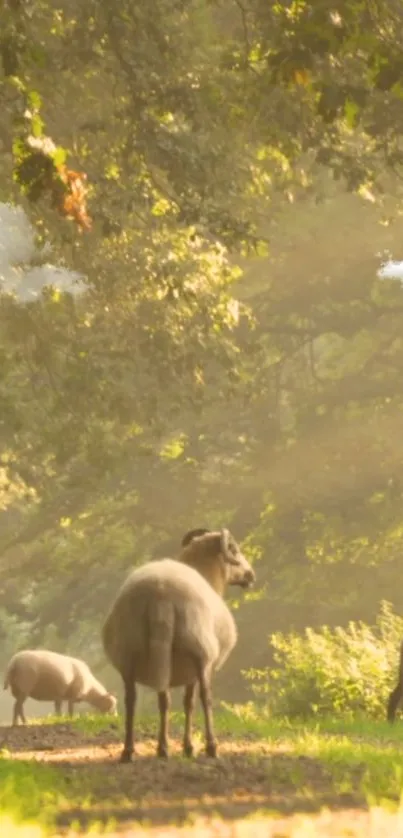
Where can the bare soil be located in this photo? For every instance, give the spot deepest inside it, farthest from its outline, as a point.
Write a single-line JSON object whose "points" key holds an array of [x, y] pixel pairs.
{"points": [[249, 777]]}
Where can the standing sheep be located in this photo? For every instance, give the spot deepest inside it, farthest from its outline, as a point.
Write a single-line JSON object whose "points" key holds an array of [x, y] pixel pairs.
{"points": [[170, 627], [48, 676]]}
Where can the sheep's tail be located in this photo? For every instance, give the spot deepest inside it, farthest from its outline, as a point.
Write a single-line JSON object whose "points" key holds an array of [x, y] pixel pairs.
{"points": [[6, 681], [396, 694], [161, 625]]}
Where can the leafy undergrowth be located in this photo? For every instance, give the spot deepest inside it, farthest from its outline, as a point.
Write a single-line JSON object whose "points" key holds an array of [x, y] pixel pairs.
{"points": [[336, 672], [272, 778]]}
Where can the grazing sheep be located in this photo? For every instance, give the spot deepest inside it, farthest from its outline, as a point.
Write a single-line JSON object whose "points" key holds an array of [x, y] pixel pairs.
{"points": [[397, 693], [48, 676], [170, 627]]}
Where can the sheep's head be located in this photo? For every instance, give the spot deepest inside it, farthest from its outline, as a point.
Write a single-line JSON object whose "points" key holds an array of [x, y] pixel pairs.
{"points": [[217, 556], [238, 570], [108, 704]]}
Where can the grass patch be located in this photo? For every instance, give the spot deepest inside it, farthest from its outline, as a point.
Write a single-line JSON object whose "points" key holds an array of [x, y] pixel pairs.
{"points": [[360, 754], [29, 792], [85, 722]]}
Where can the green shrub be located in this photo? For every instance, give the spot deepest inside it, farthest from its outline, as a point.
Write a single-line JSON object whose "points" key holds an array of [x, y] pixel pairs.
{"points": [[338, 672]]}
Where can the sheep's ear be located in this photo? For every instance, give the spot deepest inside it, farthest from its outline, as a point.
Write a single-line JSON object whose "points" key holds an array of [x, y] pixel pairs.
{"points": [[224, 545], [191, 534]]}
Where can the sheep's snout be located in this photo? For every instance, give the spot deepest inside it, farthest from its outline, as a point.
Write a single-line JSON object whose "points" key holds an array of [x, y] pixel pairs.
{"points": [[249, 578], [109, 704], [240, 571]]}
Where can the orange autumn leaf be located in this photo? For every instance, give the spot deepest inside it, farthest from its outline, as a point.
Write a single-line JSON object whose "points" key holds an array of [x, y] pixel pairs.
{"points": [[73, 202]]}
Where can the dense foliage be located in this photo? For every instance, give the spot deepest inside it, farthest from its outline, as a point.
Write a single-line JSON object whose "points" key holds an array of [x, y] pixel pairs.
{"points": [[153, 148], [337, 672]]}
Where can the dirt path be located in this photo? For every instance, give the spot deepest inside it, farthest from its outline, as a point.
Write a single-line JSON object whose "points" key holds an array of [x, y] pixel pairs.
{"points": [[249, 776]]}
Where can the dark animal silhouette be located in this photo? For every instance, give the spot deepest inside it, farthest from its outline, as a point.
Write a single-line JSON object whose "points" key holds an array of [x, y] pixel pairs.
{"points": [[396, 694]]}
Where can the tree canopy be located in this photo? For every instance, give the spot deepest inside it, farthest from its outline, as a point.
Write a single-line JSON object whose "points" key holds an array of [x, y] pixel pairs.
{"points": [[153, 147]]}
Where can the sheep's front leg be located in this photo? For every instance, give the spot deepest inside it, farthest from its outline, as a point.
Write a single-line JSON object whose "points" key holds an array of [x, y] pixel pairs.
{"points": [[70, 707], [188, 706], [164, 701], [206, 700], [130, 704], [58, 707]]}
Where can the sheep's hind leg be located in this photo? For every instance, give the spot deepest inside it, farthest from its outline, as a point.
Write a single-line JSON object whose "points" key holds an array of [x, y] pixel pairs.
{"points": [[188, 706], [22, 714], [164, 701], [394, 700], [130, 705], [16, 712], [205, 697]]}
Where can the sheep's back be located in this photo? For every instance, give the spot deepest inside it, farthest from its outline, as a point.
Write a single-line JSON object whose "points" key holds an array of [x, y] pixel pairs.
{"points": [[204, 628], [41, 674]]}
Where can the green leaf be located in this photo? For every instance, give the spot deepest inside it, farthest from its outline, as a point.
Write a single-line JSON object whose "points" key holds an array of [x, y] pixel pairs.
{"points": [[37, 125], [59, 156], [34, 100], [351, 111]]}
